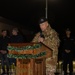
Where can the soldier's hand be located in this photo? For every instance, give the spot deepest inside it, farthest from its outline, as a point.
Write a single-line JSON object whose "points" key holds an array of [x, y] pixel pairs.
{"points": [[3, 52], [67, 51], [40, 39]]}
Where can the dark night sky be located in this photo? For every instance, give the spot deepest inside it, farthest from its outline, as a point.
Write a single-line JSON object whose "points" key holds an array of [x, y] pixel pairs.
{"points": [[27, 12]]}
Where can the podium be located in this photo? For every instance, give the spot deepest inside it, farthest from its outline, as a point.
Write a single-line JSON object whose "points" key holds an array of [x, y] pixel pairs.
{"points": [[30, 57]]}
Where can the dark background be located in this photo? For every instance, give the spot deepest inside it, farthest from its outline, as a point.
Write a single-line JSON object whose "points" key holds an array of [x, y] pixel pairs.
{"points": [[27, 12], [61, 13]]}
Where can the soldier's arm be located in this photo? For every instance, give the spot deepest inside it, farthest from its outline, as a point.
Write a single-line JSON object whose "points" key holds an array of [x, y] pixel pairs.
{"points": [[35, 39], [53, 39], [53, 42]]}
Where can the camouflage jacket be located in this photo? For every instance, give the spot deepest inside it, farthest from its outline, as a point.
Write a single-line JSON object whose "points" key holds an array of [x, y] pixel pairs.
{"points": [[51, 40]]}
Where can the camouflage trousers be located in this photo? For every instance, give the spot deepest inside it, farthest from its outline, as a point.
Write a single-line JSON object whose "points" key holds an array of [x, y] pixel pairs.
{"points": [[50, 68]]}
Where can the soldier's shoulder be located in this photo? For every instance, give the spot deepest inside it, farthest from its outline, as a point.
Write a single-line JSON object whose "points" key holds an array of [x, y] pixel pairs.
{"points": [[54, 31]]}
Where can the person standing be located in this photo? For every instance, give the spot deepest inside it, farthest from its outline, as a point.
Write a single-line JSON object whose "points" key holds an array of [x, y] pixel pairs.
{"points": [[68, 49], [49, 37], [15, 38], [4, 40]]}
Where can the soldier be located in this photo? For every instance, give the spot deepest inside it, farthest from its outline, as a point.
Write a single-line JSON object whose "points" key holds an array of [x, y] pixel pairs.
{"points": [[68, 49], [49, 37], [4, 40], [15, 38]]}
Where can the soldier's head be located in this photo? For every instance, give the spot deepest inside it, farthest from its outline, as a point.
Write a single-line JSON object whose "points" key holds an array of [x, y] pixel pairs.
{"points": [[68, 31], [43, 22], [15, 31], [4, 33]]}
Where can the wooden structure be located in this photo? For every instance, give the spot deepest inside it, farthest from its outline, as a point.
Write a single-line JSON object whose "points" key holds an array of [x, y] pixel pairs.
{"points": [[31, 66]]}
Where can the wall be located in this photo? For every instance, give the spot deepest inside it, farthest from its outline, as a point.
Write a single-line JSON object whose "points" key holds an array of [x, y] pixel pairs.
{"points": [[5, 26]]}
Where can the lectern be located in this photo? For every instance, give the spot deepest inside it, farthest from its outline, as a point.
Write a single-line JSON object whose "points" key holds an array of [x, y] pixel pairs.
{"points": [[30, 57]]}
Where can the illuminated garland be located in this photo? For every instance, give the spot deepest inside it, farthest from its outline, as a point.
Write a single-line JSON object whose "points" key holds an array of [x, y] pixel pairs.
{"points": [[25, 56], [24, 47]]}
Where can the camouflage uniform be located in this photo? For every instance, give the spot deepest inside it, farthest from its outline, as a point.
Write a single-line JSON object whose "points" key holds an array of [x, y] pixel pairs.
{"points": [[51, 40]]}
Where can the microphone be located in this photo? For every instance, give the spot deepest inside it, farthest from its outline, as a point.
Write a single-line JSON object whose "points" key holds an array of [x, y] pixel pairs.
{"points": [[41, 35]]}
